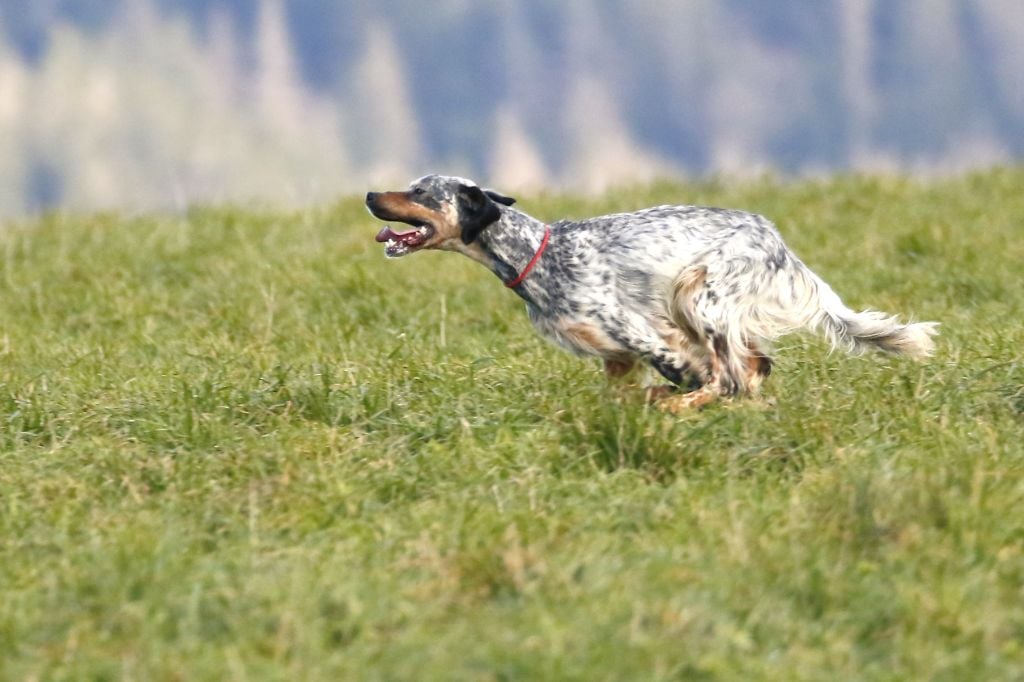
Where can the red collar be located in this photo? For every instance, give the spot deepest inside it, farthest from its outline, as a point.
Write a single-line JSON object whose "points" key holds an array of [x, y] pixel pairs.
{"points": [[533, 261]]}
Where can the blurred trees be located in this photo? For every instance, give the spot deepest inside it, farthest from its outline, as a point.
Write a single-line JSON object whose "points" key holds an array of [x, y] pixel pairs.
{"points": [[164, 102]]}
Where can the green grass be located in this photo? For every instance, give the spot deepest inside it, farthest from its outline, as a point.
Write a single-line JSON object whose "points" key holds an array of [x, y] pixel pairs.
{"points": [[240, 444]]}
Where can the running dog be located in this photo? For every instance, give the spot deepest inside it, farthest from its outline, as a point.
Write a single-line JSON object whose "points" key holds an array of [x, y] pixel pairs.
{"points": [[696, 292]]}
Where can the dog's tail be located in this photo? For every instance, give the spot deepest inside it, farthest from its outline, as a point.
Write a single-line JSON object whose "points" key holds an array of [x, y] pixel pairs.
{"points": [[817, 306]]}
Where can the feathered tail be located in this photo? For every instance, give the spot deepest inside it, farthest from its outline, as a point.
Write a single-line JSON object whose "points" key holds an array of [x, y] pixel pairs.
{"points": [[856, 332]]}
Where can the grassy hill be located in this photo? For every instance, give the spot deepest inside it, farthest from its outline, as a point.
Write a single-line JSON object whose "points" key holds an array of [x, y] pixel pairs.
{"points": [[240, 444]]}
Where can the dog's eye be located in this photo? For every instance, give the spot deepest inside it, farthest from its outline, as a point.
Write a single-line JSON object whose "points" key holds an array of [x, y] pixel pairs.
{"points": [[419, 191]]}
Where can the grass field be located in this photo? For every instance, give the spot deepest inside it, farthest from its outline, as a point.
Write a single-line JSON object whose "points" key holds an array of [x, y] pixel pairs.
{"points": [[240, 444]]}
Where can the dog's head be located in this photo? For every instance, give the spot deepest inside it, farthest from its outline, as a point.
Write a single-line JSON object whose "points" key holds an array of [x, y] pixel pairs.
{"points": [[445, 212]]}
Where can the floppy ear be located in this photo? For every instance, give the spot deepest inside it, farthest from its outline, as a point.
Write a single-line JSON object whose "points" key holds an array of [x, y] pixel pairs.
{"points": [[476, 211], [500, 198]]}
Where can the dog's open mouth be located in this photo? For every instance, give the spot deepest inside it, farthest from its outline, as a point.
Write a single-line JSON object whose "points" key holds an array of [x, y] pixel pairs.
{"points": [[401, 243]]}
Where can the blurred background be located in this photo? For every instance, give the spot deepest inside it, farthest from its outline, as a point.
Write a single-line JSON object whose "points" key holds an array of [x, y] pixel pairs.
{"points": [[156, 104]]}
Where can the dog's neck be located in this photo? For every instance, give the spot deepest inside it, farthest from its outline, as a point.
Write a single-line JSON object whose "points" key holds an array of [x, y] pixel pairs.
{"points": [[510, 244]]}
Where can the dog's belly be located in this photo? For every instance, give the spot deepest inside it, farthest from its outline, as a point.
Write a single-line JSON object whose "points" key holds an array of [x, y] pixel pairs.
{"points": [[580, 336]]}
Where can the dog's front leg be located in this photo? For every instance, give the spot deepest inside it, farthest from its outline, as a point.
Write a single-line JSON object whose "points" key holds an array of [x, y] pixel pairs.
{"points": [[619, 367]]}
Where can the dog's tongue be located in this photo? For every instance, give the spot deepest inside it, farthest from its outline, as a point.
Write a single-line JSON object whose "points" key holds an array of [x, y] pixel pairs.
{"points": [[387, 233]]}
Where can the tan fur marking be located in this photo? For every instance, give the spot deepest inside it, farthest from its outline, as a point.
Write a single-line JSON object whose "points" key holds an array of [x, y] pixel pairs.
{"points": [[399, 204], [402, 208], [758, 367], [588, 339], [684, 289], [681, 403]]}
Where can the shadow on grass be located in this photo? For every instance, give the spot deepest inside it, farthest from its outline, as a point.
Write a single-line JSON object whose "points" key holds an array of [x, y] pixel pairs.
{"points": [[663, 447]]}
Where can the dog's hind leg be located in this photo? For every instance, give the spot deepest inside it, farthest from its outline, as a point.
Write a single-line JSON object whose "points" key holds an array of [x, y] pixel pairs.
{"points": [[719, 383], [724, 380], [690, 295], [735, 365]]}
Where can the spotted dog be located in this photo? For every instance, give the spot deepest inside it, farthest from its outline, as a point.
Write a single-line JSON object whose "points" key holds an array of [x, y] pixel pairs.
{"points": [[698, 293]]}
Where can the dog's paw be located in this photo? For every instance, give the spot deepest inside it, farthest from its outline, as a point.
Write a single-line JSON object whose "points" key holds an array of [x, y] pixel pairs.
{"points": [[682, 403]]}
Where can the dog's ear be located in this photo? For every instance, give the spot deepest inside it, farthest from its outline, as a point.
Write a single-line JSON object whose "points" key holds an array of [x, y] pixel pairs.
{"points": [[500, 198], [476, 211]]}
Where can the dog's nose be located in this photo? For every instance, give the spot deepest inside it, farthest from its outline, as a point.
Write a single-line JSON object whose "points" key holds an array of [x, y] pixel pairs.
{"points": [[371, 197]]}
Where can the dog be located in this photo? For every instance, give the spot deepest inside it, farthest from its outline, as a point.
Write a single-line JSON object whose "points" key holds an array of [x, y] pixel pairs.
{"points": [[698, 293]]}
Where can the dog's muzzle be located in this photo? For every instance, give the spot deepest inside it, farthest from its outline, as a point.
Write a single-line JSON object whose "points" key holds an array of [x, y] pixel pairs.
{"points": [[398, 243]]}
